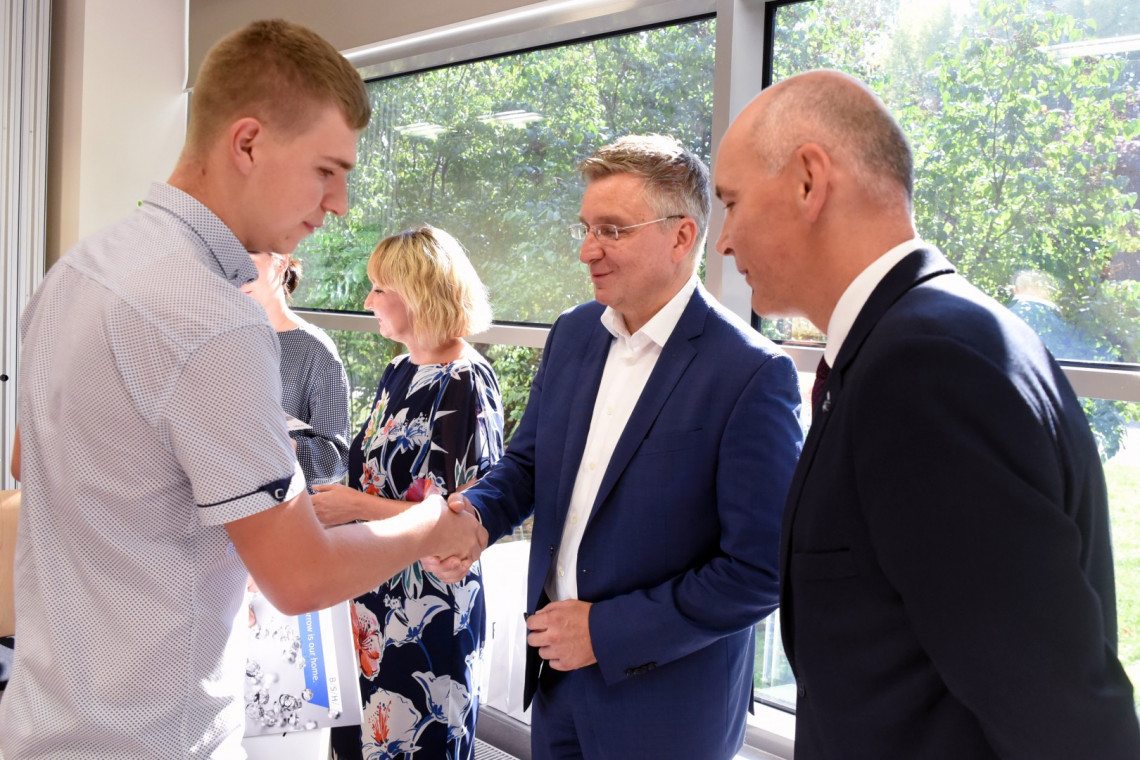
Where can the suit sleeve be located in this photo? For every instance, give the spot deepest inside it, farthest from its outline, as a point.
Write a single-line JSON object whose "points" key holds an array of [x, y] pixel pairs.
{"points": [[737, 586], [504, 497], [966, 483]]}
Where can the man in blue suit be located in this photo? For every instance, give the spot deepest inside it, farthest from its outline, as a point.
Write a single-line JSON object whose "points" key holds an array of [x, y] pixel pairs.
{"points": [[946, 582], [655, 453]]}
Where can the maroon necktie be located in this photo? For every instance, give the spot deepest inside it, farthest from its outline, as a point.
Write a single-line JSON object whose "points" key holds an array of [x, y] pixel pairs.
{"points": [[821, 373]]}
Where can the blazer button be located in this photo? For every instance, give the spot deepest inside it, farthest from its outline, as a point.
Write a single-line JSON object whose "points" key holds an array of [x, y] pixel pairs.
{"points": [[800, 691]]}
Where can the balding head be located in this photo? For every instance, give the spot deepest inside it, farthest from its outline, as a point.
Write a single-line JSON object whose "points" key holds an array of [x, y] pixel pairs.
{"points": [[839, 113], [817, 179]]}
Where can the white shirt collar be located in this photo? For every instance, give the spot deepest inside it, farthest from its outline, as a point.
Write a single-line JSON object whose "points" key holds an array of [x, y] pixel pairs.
{"points": [[659, 327], [857, 293]]}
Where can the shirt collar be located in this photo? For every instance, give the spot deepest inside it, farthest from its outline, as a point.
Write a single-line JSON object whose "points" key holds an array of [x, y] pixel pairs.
{"points": [[857, 293], [659, 327], [223, 253]]}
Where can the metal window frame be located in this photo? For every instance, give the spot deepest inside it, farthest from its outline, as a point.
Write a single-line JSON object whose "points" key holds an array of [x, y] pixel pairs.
{"points": [[25, 39]]}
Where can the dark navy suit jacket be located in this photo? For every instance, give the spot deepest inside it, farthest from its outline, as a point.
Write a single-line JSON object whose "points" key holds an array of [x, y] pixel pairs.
{"points": [[947, 586], [679, 554]]}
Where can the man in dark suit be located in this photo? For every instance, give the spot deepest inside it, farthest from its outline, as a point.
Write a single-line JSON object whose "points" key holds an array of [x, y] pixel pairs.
{"points": [[655, 453], [946, 581]]}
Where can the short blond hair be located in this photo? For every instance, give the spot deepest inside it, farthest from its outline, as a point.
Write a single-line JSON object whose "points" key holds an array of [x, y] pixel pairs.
{"points": [[280, 73], [432, 273]]}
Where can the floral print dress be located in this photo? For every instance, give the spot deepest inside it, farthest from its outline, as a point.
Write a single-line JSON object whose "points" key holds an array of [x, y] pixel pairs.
{"points": [[433, 428]]}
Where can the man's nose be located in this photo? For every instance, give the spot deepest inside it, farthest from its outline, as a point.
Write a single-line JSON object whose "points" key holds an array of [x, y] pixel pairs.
{"points": [[336, 199], [591, 249], [723, 245]]}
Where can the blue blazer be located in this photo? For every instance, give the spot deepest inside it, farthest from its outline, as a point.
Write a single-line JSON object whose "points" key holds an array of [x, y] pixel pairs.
{"points": [[947, 581], [679, 554]]}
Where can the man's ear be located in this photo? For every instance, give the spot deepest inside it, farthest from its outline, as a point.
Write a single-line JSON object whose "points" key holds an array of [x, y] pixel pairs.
{"points": [[684, 238], [813, 179], [245, 135]]}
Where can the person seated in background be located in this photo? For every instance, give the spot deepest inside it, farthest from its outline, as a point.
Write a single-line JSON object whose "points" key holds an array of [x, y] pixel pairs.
{"points": [[436, 426], [1034, 300], [314, 388]]}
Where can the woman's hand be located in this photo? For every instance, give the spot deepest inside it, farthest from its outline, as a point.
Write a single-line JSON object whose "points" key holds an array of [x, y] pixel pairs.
{"points": [[336, 504]]}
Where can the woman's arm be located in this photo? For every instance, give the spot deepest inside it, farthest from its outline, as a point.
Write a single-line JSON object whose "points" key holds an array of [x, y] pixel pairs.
{"points": [[336, 505]]}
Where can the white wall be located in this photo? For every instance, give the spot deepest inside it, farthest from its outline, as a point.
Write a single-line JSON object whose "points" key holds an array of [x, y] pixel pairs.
{"points": [[117, 112], [346, 24]]}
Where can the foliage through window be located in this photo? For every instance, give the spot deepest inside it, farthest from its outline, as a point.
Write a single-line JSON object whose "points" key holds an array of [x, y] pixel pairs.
{"points": [[488, 150], [1024, 116], [1027, 145]]}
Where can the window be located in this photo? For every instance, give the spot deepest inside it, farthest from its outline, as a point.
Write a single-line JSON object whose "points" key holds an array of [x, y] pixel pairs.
{"points": [[1024, 123], [1024, 117], [488, 149]]}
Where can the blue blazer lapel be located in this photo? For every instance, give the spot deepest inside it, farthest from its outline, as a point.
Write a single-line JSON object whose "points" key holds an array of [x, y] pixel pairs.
{"points": [[580, 410], [675, 357]]}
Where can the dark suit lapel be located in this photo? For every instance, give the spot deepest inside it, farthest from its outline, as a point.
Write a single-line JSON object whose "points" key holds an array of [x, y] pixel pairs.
{"points": [[580, 412], [913, 269], [676, 355]]}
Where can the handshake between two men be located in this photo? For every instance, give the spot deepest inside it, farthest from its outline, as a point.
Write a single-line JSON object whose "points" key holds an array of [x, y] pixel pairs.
{"points": [[560, 631], [461, 537]]}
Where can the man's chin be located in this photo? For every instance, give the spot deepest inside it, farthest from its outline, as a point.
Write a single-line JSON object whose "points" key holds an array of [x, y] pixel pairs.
{"points": [[766, 310], [287, 247]]}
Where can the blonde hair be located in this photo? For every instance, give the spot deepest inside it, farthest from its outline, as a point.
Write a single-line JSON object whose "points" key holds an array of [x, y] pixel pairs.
{"points": [[280, 73], [676, 181], [430, 270]]}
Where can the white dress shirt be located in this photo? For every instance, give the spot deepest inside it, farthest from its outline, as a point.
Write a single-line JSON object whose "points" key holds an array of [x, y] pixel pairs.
{"points": [[630, 362], [857, 293]]}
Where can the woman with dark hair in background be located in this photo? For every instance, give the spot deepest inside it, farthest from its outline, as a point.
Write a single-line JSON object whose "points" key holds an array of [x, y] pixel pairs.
{"points": [[436, 426], [314, 387]]}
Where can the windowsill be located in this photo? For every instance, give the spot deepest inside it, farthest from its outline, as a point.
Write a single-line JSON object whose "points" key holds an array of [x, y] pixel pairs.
{"points": [[770, 734], [768, 737]]}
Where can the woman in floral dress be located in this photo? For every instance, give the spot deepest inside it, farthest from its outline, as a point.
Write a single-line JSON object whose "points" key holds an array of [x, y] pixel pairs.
{"points": [[436, 425]]}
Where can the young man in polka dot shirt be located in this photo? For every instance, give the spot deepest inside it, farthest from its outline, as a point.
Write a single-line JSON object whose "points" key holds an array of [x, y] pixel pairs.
{"points": [[156, 466]]}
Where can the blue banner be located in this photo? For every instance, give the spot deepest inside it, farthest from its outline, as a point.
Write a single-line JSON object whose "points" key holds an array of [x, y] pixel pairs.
{"points": [[315, 675]]}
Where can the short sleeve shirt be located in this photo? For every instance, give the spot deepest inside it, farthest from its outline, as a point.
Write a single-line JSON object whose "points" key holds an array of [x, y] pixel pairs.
{"points": [[150, 416]]}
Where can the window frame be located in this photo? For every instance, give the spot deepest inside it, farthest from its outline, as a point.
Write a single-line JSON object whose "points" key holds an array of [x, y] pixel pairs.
{"points": [[26, 32]]}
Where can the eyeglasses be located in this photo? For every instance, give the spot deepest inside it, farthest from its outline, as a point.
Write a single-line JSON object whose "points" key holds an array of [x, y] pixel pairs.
{"points": [[612, 231]]}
